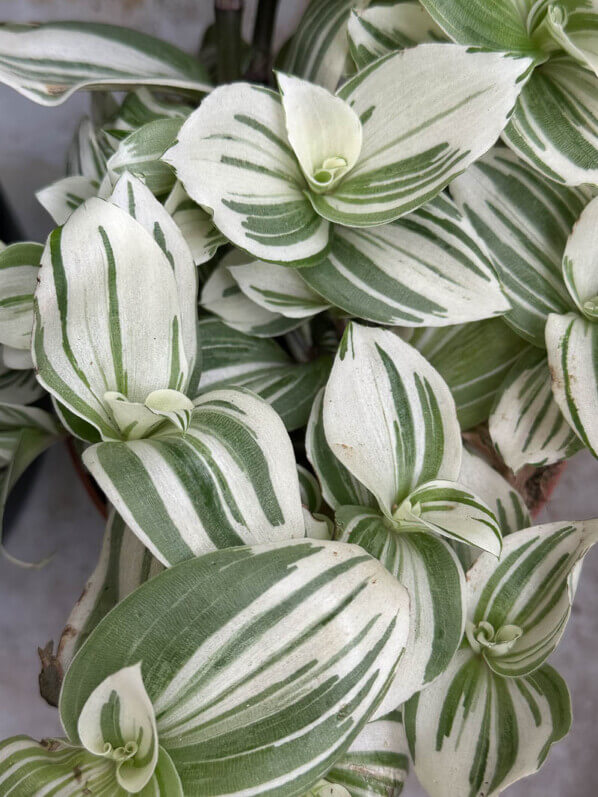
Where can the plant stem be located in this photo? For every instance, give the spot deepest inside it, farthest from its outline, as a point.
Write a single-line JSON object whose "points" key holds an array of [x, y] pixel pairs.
{"points": [[263, 30], [229, 15]]}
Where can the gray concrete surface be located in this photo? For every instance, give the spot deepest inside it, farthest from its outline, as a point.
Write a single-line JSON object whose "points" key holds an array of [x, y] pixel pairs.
{"points": [[58, 515]]}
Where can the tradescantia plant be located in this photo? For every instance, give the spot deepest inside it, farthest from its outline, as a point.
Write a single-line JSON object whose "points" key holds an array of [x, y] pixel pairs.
{"points": [[275, 320]]}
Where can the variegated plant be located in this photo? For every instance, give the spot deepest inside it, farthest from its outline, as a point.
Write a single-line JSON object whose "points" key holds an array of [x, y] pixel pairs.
{"points": [[265, 325]]}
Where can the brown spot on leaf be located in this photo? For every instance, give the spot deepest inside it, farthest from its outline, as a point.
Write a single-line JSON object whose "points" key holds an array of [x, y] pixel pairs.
{"points": [[50, 677]]}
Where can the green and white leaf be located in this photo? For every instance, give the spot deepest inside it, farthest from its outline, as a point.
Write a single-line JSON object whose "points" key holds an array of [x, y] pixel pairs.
{"points": [[473, 359], [500, 25], [524, 220], [279, 290], [233, 157], [574, 28], [223, 296], [425, 269], [197, 227], [230, 480], [382, 29], [86, 155], [19, 267], [377, 763], [89, 337], [389, 417], [430, 571], [319, 50], [529, 588], [427, 113], [580, 262], [254, 665], [140, 106], [526, 424], [572, 346], [64, 196], [311, 494], [339, 487], [554, 126], [474, 733], [48, 63], [123, 565], [140, 152]]}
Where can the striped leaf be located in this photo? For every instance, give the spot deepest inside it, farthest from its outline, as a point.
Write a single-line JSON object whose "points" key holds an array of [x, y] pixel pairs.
{"points": [[277, 289], [426, 269], [526, 424], [324, 788], [18, 386], [473, 359], [377, 762], [123, 565], [86, 155], [19, 267], [339, 487], [197, 227], [572, 345], [48, 63], [574, 28], [519, 605], [524, 221], [430, 571], [311, 494], [64, 196], [58, 768], [580, 262], [382, 29], [474, 733], [142, 106], [223, 296], [459, 102], [140, 153], [554, 126], [89, 337], [500, 25], [318, 51], [233, 157], [265, 673], [230, 480], [389, 417], [452, 510]]}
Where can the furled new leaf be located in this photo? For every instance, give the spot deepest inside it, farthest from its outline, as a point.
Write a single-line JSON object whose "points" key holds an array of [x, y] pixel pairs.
{"points": [[19, 267]]}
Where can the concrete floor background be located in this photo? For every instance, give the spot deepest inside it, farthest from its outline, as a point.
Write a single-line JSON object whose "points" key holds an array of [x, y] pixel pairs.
{"points": [[58, 515]]}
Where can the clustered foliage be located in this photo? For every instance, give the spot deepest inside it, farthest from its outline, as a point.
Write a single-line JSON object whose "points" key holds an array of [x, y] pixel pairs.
{"points": [[267, 316]]}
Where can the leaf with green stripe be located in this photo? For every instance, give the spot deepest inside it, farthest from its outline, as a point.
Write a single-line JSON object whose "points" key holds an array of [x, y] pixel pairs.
{"points": [[64, 196], [474, 733], [526, 424], [524, 220], [572, 345], [48, 63], [382, 29], [233, 157], [86, 155], [230, 480], [318, 50], [580, 262], [123, 565], [554, 126], [311, 494], [574, 28], [389, 417], [142, 106], [19, 267], [339, 486], [430, 571], [519, 605], [263, 664], [473, 359], [426, 269], [377, 763], [89, 337], [197, 227]]}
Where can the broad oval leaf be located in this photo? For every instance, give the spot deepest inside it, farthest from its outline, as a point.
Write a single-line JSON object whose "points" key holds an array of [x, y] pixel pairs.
{"points": [[426, 269], [427, 113], [389, 417], [19, 267], [265, 673], [526, 424], [230, 480], [553, 126], [89, 337], [572, 346], [47, 63], [580, 261], [197, 227], [64, 196], [430, 571], [233, 157], [524, 220], [529, 588], [474, 732]]}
